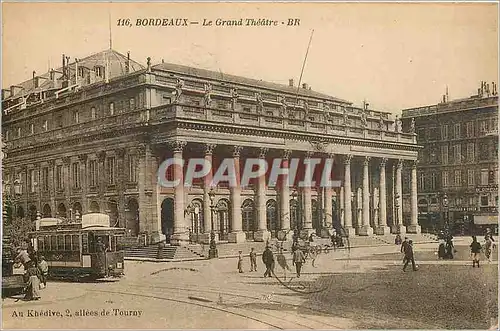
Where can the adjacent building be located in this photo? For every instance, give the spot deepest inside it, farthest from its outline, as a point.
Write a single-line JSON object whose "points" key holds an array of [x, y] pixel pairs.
{"points": [[90, 135], [457, 174]]}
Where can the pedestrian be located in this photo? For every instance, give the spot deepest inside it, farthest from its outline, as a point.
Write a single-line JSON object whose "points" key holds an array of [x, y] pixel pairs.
{"points": [[253, 260], [44, 270], [23, 257], [298, 260], [450, 248], [32, 290], [268, 259], [442, 249], [487, 248], [240, 262], [475, 250], [409, 256], [397, 240], [404, 245]]}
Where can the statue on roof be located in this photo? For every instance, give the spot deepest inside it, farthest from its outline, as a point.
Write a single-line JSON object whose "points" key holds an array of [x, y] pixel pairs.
{"points": [[149, 64], [234, 97], [178, 89], [326, 107], [364, 122], [346, 117], [208, 94], [397, 124], [412, 125], [381, 123], [306, 108], [260, 102], [284, 106]]}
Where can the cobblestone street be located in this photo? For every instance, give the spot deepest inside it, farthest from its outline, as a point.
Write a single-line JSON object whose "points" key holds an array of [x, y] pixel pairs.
{"points": [[363, 288]]}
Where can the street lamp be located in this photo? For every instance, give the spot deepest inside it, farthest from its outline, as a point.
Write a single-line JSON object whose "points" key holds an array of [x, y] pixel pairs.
{"points": [[445, 210], [212, 252], [396, 202]]}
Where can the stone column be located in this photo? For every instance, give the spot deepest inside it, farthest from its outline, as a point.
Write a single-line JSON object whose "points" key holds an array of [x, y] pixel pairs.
{"points": [[398, 201], [285, 193], [236, 235], [366, 229], [328, 202], [348, 196], [84, 182], [181, 233], [207, 210], [414, 227], [307, 195], [382, 227], [262, 233]]}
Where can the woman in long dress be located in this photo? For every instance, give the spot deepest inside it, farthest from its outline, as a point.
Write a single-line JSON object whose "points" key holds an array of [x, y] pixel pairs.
{"points": [[33, 283]]}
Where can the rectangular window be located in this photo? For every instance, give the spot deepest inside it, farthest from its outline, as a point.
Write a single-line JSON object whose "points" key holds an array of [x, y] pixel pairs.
{"points": [[421, 182], [470, 129], [53, 243], [484, 201], [85, 243], [32, 128], [60, 243], [484, 176], [59, 177], [32, 180], [75, 243], [45, 125], [458, 178], [457, 131], [444, 132], [457, 153], [76, 117], [433, 181], [41, 244], [45, 179], [111, 108], [470, 152], [93, 113], [19, 132], [111, 170], [470, 177], [444, 154], [93, 172], [75, 172], [59, 121], [132, 103], [445, 178], [132, 171]]}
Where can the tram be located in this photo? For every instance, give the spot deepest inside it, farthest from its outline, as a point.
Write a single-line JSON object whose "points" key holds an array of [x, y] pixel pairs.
{"points": [[88, 249]]}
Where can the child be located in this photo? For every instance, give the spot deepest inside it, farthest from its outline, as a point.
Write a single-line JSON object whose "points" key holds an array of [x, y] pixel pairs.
{"points": [[44, 270], [240, 262]]}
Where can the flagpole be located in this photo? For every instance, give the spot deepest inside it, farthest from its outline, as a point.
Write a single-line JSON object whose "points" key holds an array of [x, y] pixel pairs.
{"points": [[303, 65]]}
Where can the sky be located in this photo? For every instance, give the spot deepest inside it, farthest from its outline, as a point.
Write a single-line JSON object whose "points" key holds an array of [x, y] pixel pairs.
{"points": [[394, 56]]}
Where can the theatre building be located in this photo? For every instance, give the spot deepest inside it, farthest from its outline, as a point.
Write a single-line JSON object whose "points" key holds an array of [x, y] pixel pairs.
{"points": [[90, 136], [457, 173]]}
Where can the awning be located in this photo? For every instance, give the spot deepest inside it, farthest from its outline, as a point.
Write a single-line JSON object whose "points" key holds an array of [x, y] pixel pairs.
{"points": [[485, 219]]}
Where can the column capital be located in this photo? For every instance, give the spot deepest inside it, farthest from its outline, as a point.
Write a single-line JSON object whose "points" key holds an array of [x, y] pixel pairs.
{"points": [[366, 160], [286, 154], [413, 164], [309, 154], [209, 148], [141, 149], [66, 160], [52, 163], [178, 145], [120, 152], [347, 159], [101, 155], [83, 157], [263, 152], [399, 163], [383, 162], [237, 150]]}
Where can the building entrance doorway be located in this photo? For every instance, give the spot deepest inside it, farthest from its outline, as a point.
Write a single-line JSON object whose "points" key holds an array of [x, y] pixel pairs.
{"points": [[167, 218]]}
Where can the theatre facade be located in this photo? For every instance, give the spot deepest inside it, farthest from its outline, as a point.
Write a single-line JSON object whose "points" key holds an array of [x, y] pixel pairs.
{"points": [[90, 136]]}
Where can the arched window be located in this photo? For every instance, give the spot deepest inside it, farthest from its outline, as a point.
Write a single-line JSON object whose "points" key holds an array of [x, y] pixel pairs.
{"points": [[294, 214], [94, 207], [272, 216], [196, 216], [222, 223], [248, 218]]}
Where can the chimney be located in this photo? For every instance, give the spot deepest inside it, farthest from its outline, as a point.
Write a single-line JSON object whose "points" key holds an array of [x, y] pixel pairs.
{"points": [[63, 65], [35, 79], [68, 71], [304, 86], [478, 92], [290, 82], [76, 70], [127, 64]]}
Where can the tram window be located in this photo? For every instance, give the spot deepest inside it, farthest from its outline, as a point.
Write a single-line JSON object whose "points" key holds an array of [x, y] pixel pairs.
{"points": [[113, 243], [119, 243], [67, 242], [60, 243], [75, 242], [53, 243], [46, 240], [85, 243], [41, 246]]}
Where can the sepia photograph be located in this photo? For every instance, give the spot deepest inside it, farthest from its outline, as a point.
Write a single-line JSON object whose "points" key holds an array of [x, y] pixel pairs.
{"points": [[249, 165]]}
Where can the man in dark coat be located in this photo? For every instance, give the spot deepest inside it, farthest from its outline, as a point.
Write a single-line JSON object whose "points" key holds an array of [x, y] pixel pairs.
{"points": [[404, 245], [409, 256], [268, 259]]}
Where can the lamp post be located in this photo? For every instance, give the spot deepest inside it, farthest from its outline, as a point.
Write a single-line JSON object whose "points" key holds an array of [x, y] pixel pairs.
{"points": [[212, 252], [396, 202], [295, 203], [445, 211]]}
